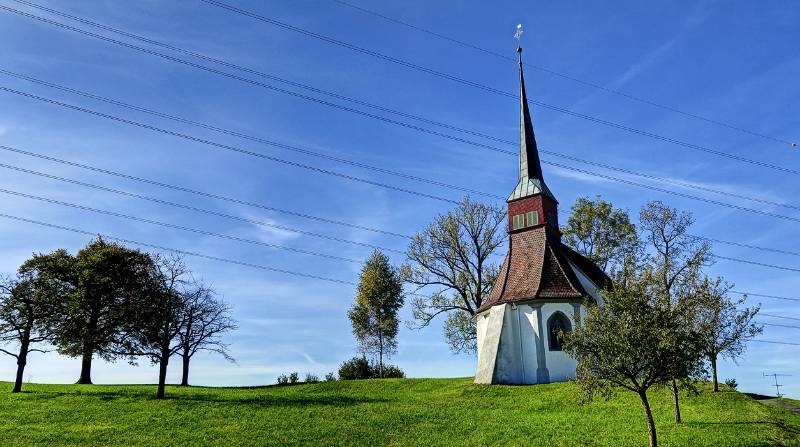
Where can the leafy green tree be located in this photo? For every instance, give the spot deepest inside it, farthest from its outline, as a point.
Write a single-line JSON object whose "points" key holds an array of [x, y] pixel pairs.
{"points": [[601, 232], [30, 307], [675, 258], [453, 255], [374, 314], [725, 326], [160, 316], [632, 342], [106, 278]]}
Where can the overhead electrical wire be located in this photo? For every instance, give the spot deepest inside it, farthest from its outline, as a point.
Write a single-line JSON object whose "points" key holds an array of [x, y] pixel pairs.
{"points": [[370, 182], [760, 295], [225, 147], [490, 89], [195, 208], [340, 107], [293, 213], [380, 169], [779, 316], [174, 226], [779, 325], [566, 76], [173, 250]]}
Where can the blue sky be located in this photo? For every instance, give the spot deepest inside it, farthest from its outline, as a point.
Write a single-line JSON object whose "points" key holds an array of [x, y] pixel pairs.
{"points": [[736, 62]]}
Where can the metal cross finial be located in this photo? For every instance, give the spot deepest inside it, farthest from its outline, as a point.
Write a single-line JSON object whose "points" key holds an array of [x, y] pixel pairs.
{"points": [[518, 35]]}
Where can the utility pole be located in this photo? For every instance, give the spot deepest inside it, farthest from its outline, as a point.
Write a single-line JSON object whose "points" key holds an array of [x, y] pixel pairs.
{"points": [[777, 385]]}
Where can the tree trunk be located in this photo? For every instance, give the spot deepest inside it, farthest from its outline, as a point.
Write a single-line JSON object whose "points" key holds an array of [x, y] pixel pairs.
{"points": [[185, 375], [162, 375], [22, 359], [714, 372], [675, 401], [651, 425], [86, 365]]}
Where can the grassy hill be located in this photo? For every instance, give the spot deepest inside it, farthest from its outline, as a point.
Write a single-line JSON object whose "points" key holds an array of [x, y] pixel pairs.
{"points": [[396, 412]]}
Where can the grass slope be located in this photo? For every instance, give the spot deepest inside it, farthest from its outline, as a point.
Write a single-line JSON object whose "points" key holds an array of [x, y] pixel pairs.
{"points": [[394, 412]]}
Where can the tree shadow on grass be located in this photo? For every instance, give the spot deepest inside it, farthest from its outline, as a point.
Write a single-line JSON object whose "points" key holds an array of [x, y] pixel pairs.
{"points": [[783, 426], [255, 400]]}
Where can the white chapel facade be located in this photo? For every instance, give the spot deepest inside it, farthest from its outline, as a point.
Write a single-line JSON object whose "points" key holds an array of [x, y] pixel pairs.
{"points": [[542, 285]]}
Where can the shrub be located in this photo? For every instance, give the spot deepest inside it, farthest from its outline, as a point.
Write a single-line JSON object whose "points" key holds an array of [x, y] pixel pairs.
{"points": [[330, 377], [392, 372], [311, 378], [357, 368], [732, 384], [283, 379], [294, 377]]}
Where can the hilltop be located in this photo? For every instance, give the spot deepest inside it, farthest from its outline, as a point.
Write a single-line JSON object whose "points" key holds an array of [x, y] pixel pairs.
{"points": [[397, 412]]}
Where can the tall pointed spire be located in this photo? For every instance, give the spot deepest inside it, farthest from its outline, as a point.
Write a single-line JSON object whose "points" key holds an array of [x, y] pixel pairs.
{"points": [[531, 180]]}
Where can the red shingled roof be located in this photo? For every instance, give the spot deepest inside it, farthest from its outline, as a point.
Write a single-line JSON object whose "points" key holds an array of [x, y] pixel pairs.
{"points": [[537, 267]]}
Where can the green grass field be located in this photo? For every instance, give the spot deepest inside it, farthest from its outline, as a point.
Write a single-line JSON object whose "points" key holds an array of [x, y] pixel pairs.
{"points": [[378, 412]]}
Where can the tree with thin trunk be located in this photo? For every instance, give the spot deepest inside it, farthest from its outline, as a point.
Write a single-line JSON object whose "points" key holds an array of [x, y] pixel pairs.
{"points": [[453, 255], [160, 316], [106, 277], [725, 326], [30, 307], [631, 342], [675, 258], [601, 232], [374, 313], [206, 320]]}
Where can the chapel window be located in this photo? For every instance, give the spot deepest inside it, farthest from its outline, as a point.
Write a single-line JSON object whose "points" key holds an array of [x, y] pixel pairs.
{"points": [[557, 325]]}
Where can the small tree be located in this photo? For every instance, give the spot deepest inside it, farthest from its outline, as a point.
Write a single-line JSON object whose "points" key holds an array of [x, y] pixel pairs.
{"points": [[30, 306], [207, 319], [631, 342], [601, 233], [724, 326], [154, 330], [374, 314], [453, 255], [675, 258]]}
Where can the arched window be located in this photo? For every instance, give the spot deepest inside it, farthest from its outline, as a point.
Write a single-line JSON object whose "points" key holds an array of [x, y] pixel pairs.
{"points": [[557, 325]]}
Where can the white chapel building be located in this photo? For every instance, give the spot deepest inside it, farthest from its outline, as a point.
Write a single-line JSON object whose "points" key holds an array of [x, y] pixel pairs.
{"points": [[542, 284]]}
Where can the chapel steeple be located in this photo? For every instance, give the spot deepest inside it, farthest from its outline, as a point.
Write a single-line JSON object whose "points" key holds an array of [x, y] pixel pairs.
{"points": [[531, 182]]}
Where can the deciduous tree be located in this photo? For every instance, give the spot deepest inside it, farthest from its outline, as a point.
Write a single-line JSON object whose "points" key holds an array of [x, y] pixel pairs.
{"points": [[207, 319], [106, 277], [725, 325], [374, 313], [632, 342], [601, 232], [675, 257], [30, 307], [453, 255], [154, 330]]}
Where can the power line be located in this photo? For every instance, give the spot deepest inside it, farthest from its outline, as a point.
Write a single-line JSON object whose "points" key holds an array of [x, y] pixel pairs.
{"points": [[176, 227], [246, 136], [224, 146], [370, 182], [492, 89], [293, 213], [776, 342], [760, 295], [566, 76], [202, 193], [344, 108], [761, 264], [780, 325], [182, 252], [384, 170], [195, 209], [778, 316]]}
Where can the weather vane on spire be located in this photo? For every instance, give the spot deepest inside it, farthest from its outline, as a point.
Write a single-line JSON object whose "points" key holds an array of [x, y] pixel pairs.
{"points": [[518, 36]]}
